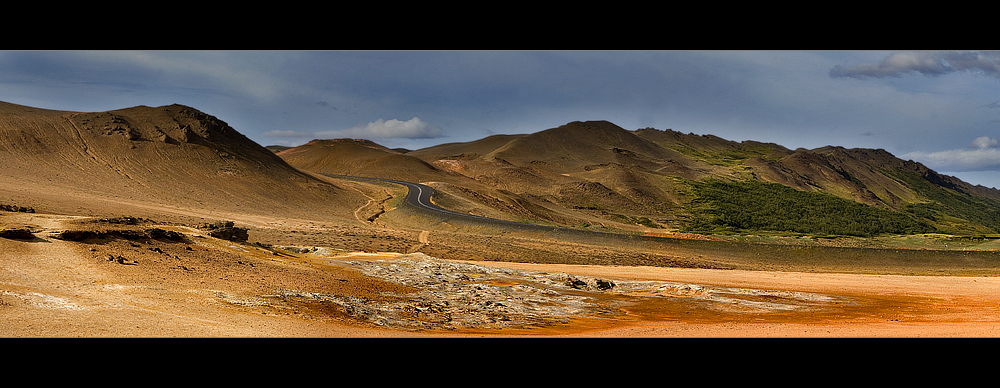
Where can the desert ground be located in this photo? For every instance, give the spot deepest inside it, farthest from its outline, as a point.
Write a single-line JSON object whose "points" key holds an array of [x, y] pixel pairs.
{"points": [[130, 278]]}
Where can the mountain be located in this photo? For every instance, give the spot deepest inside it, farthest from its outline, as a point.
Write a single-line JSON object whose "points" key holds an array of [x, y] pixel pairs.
{"points": [[358, 157], [173, 158], [364, 158], [659, 178]]}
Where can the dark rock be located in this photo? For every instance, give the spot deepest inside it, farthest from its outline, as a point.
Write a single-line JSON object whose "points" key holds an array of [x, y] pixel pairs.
{"points": [[226, 230], [216, 225], [15, 208], [76, 235], [605, 284], [126, 220], [230, 233], [17, 233], [160, 234], [576, 283]]}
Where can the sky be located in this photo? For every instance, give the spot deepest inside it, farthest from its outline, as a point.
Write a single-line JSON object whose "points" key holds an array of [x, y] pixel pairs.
{"points": [[939, 108]]}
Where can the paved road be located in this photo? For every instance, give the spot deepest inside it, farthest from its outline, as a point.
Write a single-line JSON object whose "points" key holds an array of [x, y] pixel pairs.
{"points": [[419, 196]]}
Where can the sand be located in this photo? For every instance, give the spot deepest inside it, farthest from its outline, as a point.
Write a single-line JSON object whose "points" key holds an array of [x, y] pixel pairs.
{"points": [[207, 287]]}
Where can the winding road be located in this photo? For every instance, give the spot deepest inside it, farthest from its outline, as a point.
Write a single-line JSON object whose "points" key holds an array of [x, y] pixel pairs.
{"points": [[419, 197], [837, 258]]}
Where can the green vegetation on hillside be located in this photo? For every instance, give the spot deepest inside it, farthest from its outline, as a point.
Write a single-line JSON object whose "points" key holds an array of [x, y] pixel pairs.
{"points": [[951, 211], [727, 157], [755, 207]]}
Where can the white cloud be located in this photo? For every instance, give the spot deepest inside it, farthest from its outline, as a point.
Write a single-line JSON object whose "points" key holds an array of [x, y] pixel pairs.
{"points": [[926, 63], [378, 129], [984, 142], [411, 129], [983, 156]]}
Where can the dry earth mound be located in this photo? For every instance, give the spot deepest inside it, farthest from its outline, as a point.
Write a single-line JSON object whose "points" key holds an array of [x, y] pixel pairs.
{"points": [[174, 155], [358, 157]]}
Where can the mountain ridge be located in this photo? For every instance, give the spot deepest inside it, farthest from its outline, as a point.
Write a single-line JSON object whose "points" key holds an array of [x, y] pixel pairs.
{"points": [[595, 172], [584, 174]]}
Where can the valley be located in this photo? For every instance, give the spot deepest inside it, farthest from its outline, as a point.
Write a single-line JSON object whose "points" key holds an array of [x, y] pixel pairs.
{"points": [[603, 232]]}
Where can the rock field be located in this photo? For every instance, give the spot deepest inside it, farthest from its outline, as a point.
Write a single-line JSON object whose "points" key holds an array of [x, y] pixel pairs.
{"points": [[458, 295]]}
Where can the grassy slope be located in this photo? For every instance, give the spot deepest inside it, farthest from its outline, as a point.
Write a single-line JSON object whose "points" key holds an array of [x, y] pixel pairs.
{"points": [[755, 207]]}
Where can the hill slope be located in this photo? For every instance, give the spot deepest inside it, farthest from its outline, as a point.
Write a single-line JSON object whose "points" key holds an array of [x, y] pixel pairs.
{"points": [[143, 157], [358, 157], [652, 177]]}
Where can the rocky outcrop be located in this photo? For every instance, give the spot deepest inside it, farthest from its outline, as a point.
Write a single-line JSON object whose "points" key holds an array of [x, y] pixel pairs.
{"points": [[17, 233], [15, 208], [226, 230], [128, 234]]}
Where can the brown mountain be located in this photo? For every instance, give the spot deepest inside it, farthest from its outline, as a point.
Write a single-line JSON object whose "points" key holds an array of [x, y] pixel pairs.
{"points": [[359, 157], [174, 158], [595, 169], [364, 158], [177, 160], [602, 170]]}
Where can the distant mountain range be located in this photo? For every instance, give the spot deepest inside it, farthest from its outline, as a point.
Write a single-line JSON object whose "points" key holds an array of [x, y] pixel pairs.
{"points": [[589, 174], [593, 175]]}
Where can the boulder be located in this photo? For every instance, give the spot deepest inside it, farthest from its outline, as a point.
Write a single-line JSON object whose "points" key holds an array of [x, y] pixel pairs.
{"points": [[161, 234], [226, 230], [234, 233], [76, 235], [16, 233], [15, 208]]}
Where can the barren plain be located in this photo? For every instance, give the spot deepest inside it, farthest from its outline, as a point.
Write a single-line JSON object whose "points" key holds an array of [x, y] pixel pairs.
{"points": [[133, 280]]}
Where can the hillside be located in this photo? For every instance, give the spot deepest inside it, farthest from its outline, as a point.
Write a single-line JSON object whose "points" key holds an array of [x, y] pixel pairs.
{"points": [[656, 178], [140, 158], [359, 157], [364, 158]]}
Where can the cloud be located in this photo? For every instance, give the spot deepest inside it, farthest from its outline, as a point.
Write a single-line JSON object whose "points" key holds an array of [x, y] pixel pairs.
{"points": [[411, 129], [983, 142], [378, 129], [983, 155], [931, 63]]}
